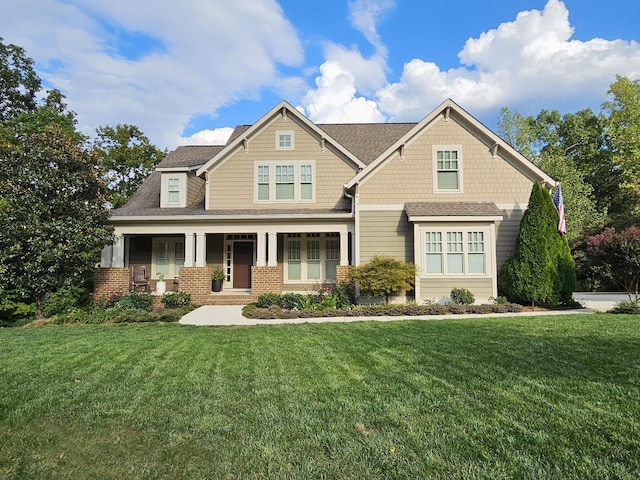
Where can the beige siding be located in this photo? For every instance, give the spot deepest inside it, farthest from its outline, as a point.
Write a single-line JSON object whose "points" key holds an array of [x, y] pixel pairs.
{"points": [[231, 185], [506, 234], [385, 232], [411, 180], [195, 190], [440, 288]]}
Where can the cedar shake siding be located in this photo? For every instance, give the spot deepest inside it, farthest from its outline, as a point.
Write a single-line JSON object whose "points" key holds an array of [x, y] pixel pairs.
{"points": [[232, 183], [484, 179]]}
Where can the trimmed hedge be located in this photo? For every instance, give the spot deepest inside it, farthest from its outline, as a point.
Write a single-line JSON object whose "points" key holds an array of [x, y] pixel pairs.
{"points": [[274, 311]]}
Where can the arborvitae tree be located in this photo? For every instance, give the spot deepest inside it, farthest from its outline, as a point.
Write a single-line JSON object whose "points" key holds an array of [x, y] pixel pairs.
{"points": [[541, 270]]}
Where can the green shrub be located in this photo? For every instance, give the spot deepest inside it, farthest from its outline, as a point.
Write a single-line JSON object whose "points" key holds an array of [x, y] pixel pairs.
{"points": [[176, 299], [135, 301], [14, 309], [290, 300], [64, 300], [499, 300], [627, 306], [383, 275], [267, 299], [462, 296]]}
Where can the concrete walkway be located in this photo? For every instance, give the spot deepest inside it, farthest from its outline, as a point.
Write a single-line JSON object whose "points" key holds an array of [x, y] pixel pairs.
{"points": [[218, 315]]}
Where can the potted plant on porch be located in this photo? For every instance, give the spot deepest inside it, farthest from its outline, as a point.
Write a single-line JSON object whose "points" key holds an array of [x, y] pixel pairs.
{"points": [[161, 285], [217, 277]]}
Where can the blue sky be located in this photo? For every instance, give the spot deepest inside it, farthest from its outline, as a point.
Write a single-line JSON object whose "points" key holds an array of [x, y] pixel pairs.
{"points": [[187, 72]]}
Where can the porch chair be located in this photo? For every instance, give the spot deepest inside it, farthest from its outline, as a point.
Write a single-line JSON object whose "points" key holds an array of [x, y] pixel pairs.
{"points": [[139, 278]]}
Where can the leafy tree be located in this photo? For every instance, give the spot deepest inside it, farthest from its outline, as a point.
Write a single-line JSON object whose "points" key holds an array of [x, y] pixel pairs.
{"points": [[623, 132], [383, 275], [616, 258], [19, 82], [570, 149], [128, 158], [52, 212], [541, 269]]}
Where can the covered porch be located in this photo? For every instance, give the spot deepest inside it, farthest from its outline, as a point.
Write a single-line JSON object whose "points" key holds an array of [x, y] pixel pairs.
{"points": [[255, 259]]}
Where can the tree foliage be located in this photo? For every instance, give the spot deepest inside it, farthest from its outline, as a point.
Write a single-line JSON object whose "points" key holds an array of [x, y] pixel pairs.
{"points": [[383, 275], [623, 133], [19, 82], [52, 211], [128, 158], [615, 257], [541, 270]]}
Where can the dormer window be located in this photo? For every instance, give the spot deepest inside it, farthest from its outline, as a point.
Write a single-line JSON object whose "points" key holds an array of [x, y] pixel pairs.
{"points": [[284, 140], [173, 190]]}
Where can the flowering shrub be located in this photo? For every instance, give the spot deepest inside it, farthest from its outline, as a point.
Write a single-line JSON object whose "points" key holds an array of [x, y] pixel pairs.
{"points": [[615, 256]]}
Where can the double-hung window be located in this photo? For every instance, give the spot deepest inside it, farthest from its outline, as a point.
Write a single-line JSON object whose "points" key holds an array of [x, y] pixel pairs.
{"points": [[285, 184], [174, 190], [455, 252], [311, 257], [447, 168], [168, 256], [277, 181]]}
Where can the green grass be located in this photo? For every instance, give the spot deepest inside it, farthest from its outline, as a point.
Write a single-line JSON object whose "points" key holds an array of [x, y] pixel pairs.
{"points": [[526, 397]]}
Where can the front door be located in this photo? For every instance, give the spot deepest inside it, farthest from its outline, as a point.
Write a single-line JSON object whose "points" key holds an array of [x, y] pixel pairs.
{"points": [[242, 262]]}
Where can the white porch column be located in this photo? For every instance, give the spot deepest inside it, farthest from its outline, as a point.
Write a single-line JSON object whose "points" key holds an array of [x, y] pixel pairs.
{"points": [[344, 248], [189, 249], [273, 249], [118, 251], [106, 257], [261, 248], [201, 250]]}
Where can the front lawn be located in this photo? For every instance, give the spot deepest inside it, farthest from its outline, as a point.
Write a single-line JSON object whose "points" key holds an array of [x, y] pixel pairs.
{"points": [[527, 397]]}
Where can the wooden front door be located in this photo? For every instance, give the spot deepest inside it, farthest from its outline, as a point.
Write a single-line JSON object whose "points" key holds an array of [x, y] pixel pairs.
{"points": [[242, 262]]}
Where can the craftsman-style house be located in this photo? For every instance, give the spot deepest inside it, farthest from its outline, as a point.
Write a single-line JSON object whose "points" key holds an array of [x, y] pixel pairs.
{"points": [[288, 203]]}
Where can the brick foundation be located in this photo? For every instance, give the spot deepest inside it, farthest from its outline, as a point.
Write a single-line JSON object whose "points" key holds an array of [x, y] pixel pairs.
{"points": [[111, 279], [342, 273], [266, 280]]}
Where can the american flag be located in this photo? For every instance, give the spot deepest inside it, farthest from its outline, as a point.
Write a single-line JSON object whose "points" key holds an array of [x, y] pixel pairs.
{"points": [[558, 201]]}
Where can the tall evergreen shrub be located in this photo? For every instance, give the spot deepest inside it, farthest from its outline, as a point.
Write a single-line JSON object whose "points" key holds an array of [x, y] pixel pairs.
{"points": [[542, 269]]}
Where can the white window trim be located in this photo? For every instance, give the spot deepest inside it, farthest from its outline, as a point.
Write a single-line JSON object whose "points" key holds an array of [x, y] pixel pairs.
{"points": [[489, 250], [285, 132], [172, 270], [434, 156], [323, 237], [182, 192], [297, 184]]}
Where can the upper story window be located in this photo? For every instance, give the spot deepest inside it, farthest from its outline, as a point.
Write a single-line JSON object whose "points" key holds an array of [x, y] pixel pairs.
{"points": [[447, 166], [285, 140], [277, 181], [173, 190]]}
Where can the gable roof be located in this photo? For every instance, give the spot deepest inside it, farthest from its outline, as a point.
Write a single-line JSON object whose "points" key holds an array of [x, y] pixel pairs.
{"points": [[282, 108], [490, 138]]}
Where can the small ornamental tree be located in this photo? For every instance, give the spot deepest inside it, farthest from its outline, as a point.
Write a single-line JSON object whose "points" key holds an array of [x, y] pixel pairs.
{"points": [[616, 258], [541, 270], [383, 275]]}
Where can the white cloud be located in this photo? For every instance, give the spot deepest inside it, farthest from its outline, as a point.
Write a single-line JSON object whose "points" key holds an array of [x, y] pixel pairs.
{"points": [[218, 136], [347, 72], [335, 99], [202, 55], [530, 59]]}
